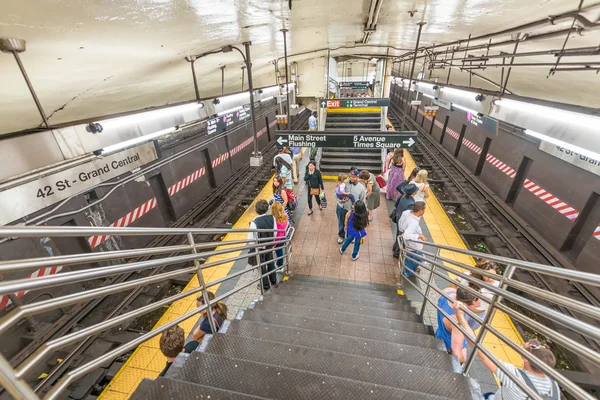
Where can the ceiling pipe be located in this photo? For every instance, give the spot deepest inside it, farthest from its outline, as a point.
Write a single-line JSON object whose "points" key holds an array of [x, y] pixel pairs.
{"points": [[573, 52]]}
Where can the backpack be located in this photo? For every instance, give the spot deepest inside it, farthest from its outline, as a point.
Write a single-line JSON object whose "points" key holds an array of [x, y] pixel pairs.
{"points": [[555, 389], [292, 199]]}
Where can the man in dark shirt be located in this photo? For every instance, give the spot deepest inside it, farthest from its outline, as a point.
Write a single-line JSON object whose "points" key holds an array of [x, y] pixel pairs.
{"points": [[171, 344], [406, 202]]}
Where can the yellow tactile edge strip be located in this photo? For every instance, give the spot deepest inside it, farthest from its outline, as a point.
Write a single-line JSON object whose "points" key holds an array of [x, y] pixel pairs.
{"points": [[443, 232], [147, 361]]}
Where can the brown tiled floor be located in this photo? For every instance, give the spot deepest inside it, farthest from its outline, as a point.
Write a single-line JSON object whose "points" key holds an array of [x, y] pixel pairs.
{"points": [[316, 251]]}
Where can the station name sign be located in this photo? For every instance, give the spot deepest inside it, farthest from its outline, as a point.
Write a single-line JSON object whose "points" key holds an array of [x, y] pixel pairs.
{"points": [[350, 139], [229, 120], [362, 102], [584, 162], [22, 200], [354, 85], [484, 122]]}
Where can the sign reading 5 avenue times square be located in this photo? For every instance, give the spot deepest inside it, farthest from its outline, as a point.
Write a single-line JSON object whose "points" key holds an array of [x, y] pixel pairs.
{"points": [[19, 201], [348, 139]]}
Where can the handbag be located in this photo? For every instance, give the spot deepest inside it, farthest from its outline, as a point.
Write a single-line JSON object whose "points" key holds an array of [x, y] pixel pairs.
{"points": [[252, 257], [315, 191]]}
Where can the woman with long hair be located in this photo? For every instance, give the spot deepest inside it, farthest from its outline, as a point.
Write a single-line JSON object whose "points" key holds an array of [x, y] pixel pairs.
{"points": [[282, 222], [356, 224], [314, 182], [373, 191], [219, 315], [396, 175], [279, 195], [407, 181], [421, 182], [487, 266]]}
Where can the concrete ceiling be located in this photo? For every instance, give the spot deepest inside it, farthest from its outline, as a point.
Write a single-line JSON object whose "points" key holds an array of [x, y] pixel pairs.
{"points": [[88, 58]]}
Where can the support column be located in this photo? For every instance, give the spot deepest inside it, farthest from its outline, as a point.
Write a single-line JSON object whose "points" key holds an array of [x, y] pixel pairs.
{"points": [[256, 159], [287, 79], [412, 71]]}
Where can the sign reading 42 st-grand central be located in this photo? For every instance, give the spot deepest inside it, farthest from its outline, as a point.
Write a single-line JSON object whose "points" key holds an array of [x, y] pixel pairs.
{"points": [[360, 102], [349, 139]]}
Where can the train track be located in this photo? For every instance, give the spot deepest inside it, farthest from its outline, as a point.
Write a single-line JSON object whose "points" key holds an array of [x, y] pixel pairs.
{"points": [[214, 211], [488, 224]]}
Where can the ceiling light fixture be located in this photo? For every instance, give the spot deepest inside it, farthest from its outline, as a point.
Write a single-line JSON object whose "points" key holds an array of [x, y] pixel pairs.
{"points": [[132, 142], [267, 98], [465, 109], [566, 145], [148, 115], [556, 114], [229, 111]]}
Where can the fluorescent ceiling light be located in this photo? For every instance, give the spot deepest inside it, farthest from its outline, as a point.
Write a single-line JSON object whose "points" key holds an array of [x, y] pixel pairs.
{"points": [[267, 98], [424, 84], [566, 145], [459, 92], [149, 115], [230, 110], [465, 109], [140, 139], [427, 95], [556, 114]]}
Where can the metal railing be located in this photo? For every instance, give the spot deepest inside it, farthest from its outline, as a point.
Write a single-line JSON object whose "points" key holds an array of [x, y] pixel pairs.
{"points": [[440, 263], [13, 378]]}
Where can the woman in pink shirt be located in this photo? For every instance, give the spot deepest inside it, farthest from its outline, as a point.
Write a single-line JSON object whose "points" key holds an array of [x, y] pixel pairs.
{"points": [[282, 222]]}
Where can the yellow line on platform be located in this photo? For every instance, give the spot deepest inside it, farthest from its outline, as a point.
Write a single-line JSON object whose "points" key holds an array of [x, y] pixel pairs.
{"points": [[443, 232], [147, 361]]}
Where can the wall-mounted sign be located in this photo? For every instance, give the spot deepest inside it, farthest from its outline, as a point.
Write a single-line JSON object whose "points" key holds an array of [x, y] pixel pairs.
{"points": [[355, 103], [484, 122], [30, 197], [354, 85], [578, 160], [443, 103], [228, 121], [415, 103], [350, 139], [430, 111]]}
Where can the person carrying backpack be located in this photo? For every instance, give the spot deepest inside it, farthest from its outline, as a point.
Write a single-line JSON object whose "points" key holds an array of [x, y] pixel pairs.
{"points": [[529, 375]]}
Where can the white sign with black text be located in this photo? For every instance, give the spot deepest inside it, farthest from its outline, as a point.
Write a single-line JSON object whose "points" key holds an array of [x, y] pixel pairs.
{"points": [[443, 103], [30, 197], [578, 160]]}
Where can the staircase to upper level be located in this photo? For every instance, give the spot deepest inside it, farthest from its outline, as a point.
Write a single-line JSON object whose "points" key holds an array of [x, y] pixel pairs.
{"points": [[334, 161], [314, 340]]}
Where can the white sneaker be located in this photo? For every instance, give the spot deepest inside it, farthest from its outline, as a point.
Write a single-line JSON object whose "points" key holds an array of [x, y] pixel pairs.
{"points": [[341, 251], [356, 258], [340, 240]]}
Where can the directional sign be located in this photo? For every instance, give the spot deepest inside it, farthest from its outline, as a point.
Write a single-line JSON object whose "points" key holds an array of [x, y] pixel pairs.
{"points": [[347, 139], [415, 103], [354, 85], [361, 102], [228, 120]]}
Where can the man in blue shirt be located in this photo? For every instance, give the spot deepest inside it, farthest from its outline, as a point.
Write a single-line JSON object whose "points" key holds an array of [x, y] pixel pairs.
{"points": [[453, 338], [312, 122]]}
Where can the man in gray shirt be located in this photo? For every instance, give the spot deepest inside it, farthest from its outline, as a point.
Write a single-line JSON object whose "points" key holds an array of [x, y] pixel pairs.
{"points": [[344, 205]]}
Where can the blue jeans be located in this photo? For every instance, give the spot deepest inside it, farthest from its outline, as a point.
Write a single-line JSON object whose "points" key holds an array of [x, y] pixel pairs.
{"points": [[410, 264], [341, 217], [356, 245], [279, 253]]}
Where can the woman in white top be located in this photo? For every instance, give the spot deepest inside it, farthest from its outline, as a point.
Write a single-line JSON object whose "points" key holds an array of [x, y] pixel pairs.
{"points": [[421, 182]]}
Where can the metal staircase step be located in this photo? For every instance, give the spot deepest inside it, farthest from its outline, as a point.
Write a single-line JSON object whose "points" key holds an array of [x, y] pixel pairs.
{"points": [[411, 322], [350, 286], [343, 328], [268, 381], [348, 160], [424, 356], [332, 153], [169, 389], [325, 296], [358, 368], [346, 167], [343, 294], [325, 305]]}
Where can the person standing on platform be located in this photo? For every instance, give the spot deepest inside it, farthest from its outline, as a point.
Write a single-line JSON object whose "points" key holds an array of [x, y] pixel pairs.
{"points": [[264, 221], [396, 175], [284, 154], [356, 223], [406, 202], [284, 170], [344, 205], [410, 225], [282, 221], [421, 182], [314, 183], [296, 158], [313, 126], [280, 195], [373, 191]]}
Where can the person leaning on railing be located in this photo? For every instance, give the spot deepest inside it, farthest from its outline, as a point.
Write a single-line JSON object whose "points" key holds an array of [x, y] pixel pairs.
{"points": [[529, 375], [486, 294], [219, 314]]}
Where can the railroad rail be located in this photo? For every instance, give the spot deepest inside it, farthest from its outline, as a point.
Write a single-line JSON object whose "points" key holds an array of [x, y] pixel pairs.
{"points": [[215, 210]]}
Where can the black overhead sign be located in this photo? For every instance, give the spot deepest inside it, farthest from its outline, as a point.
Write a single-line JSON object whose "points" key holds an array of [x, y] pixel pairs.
{"points": [[354, 85], [484, 122], [355, 103], [348, 139], [229, 120]]}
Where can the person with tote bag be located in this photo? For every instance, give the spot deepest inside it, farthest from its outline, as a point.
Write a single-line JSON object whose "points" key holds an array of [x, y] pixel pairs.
{"points": [[314, 182]]}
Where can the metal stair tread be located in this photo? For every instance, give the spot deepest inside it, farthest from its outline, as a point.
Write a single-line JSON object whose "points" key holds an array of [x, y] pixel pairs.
{"points": [[412, 323], [365, 287], [406, 354], [340, 299], [340, 293], [324, 305], [170, 389], [348, 366], [346, 160], [266, 381]]}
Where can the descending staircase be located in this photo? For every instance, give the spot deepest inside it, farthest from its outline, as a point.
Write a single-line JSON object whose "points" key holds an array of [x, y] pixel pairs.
{"points": [[316, 340], [334, 161]]}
